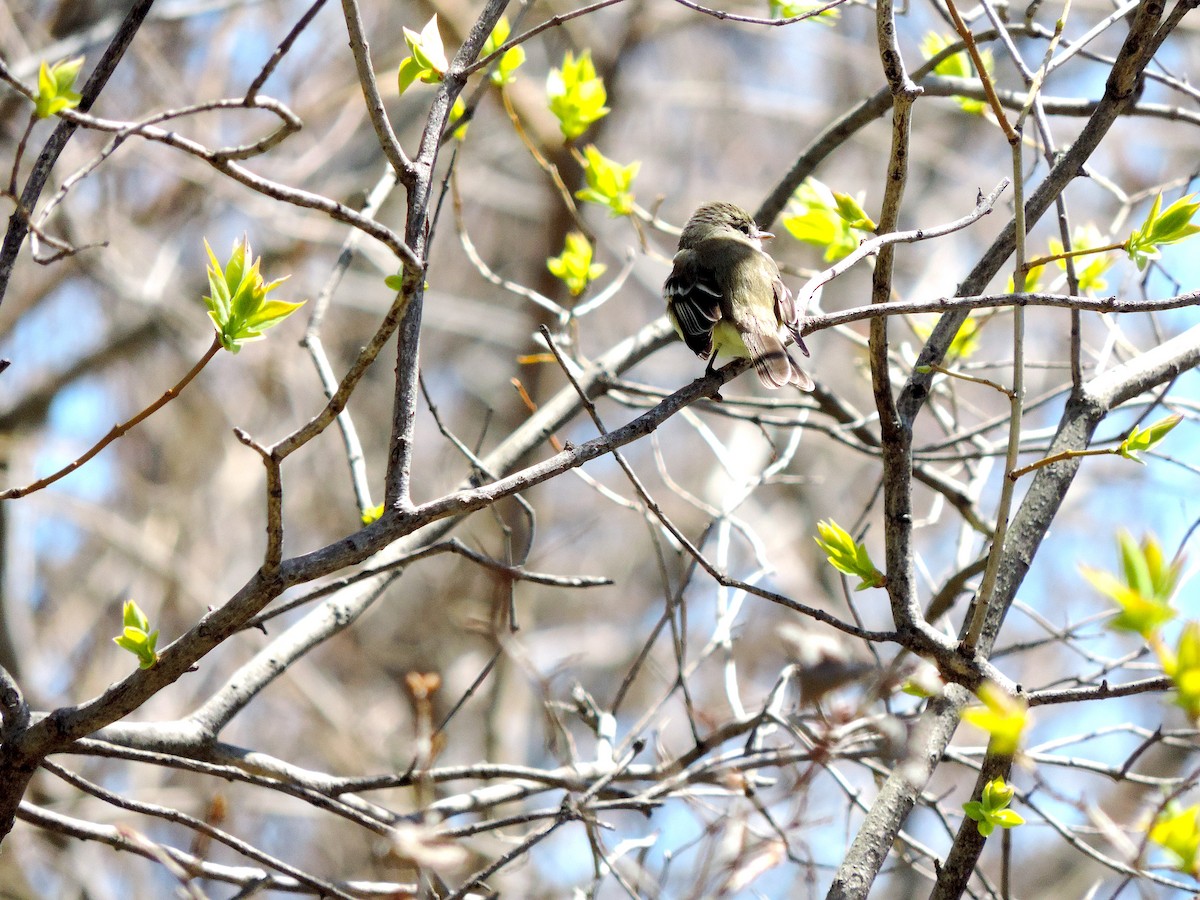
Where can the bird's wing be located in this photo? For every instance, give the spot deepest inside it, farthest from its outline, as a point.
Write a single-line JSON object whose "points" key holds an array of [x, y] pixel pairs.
{"points": [[785, 311], [693, 301], [762, 331]]}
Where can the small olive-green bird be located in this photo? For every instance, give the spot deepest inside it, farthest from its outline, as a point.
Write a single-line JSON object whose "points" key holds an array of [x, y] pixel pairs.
{"points": [[724, 295]]}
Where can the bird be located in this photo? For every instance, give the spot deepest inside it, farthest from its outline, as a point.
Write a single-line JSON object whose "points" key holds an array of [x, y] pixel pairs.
{"points": [[725, 295]]}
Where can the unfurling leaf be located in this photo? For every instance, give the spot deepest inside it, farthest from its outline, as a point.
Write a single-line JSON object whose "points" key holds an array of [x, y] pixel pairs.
{"points": [[428, 61], [237, 298], [990, 811], [1162, 227], [957, 65], [1143, 593], [847, 555], [56, 87], [513, 58], [828, 219], [1002, 716], [136, 636], [1144, 438], [608, 182], [576, 94], [574, 266]]}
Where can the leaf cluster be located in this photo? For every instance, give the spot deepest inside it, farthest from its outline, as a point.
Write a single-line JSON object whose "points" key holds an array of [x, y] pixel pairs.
{"points": [[574, 266], [512, 58], [1177, 830], [56, 87], [957, 65], [136, 636], [237, 298], [831, 220], [848, 555], [1161, 228], [1144, 591], [427, 61], [576, 94], [991, 810], [608, 182], [1144, 587]]}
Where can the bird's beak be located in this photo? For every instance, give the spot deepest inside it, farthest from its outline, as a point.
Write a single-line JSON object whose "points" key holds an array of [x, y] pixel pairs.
{"points": [[765, 235]]}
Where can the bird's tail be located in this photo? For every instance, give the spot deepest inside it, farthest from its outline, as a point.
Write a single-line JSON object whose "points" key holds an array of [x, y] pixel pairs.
{"points": [[773, 364]]}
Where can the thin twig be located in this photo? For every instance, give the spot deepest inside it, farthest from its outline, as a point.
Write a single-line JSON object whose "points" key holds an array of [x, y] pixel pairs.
{"points": [[113, 53], [281, 51], [872, 246], [679, 536], [981, 70], [386, 135], [118, 430]]}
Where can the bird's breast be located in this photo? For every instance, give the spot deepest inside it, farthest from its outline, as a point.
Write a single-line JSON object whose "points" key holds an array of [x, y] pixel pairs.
{"points": [[727, 341]]}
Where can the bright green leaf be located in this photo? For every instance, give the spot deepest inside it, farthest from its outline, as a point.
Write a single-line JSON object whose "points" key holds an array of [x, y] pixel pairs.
{"points": [[1033, 280], [990, 810], [1006, 818], [974, 810], [997, 794], [271, 313], [1140, 439], [1137, 613], [56, 87], [1161, 228], [1177, 830], [965, 341], [1089, 273], [1183, 667], [428, 61], [852, 213], [136, 636], [133, 617], [513, 58], [608, 182], [457, 111], [1002, 716], [847, 555], [576, 95], [496, 39], [1143, 594], [427, 47], [790, 9], [833, 221], [237, 301], [956, 65], [409, 70], [574, 266]]}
